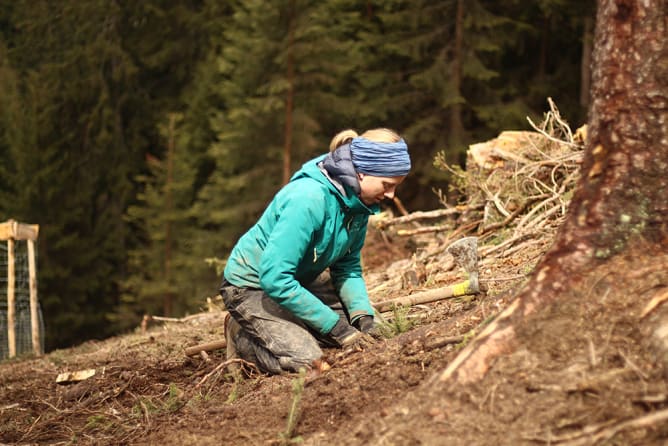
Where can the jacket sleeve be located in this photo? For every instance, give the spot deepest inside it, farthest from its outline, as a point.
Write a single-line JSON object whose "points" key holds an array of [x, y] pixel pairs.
{"points": [[348, 281], [297, 218]]}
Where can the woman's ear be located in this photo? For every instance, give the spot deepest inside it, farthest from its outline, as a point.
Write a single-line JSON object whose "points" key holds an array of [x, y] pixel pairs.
{"points": [[360, 176]]}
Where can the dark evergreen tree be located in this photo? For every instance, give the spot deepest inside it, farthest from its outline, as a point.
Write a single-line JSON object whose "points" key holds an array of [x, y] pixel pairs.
{"points": [[281, 68], [167, 274], [88, 81], [69, 156]]}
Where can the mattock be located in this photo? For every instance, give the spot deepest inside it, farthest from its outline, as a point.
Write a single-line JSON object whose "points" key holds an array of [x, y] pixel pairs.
{"points": [[465, 254]]}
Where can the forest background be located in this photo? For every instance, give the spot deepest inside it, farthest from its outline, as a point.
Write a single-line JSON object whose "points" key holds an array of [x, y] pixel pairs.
{"points": [[145, 137]]}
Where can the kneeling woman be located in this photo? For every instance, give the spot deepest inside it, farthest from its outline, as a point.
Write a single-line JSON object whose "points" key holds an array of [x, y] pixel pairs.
{"points": [[283, 304]]}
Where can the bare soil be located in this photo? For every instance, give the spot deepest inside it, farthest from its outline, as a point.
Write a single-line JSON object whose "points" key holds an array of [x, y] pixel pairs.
{"points": [[581, 371]]}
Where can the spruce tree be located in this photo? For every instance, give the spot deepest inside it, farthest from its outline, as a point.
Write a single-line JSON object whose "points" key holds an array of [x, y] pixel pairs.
{"points": [[281, 70]]}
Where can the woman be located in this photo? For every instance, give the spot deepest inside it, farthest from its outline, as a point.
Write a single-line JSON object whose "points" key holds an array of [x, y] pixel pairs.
{"points": [[282, 308]]}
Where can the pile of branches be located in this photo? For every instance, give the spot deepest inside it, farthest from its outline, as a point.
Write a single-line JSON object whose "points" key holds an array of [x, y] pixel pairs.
{"points": [[514, 193]]}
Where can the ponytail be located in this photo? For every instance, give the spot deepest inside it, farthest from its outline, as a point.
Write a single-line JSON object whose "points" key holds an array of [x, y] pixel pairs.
{"points": [[341, 138]]}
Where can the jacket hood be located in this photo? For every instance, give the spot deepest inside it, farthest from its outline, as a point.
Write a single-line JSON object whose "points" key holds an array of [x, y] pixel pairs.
{"points": [[336, 171]]}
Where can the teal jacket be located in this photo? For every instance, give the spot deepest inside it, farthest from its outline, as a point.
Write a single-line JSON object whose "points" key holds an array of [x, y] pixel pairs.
{"points": [[312, 224]]}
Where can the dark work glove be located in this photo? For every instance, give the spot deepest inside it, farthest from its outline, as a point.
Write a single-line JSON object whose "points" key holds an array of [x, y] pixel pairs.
{"points": [[343, 333], [364, 323]]}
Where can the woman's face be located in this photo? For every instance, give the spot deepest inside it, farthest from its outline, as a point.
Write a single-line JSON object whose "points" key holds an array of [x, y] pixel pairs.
{"points": [[376, 189]]}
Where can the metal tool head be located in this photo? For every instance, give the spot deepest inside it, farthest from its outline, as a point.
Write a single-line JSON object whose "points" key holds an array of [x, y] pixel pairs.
{"points": [[465, 254]]}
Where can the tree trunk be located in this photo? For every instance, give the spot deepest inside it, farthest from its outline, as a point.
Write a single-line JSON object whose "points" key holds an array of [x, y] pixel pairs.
{"points": [[621, 203], [585, 64], [456, 126], [168, 300], [289, 100]]}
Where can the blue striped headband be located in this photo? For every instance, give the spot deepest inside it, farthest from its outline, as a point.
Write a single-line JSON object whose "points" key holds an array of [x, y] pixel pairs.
{"points": [[380, 159]]}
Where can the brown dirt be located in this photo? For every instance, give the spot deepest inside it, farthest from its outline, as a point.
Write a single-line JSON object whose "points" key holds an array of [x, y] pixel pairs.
{"points": [[578, 366]]}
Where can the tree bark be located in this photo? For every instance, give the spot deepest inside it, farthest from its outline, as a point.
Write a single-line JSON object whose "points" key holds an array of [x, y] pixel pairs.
{"points": [[621, 203]]}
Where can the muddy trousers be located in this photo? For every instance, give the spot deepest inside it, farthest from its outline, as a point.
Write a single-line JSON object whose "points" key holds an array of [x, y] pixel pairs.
{"points": [[271, 336]]}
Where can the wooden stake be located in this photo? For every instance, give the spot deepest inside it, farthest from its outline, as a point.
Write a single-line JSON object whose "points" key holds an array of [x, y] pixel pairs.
{"points": [[34, 309], [208, 347], [11, 304]]}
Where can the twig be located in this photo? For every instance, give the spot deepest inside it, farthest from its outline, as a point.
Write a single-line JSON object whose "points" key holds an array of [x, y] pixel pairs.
{"points": [[520, 247], [503, 279], [422, 215], [9, 406], [225, 364], [431, 344], [605, 434], [631, 364], [423, 230], [461, 230], [543, 217], [399, 205], [655, 302], [557, 117], [550, 137], [512, 216], [32, 426], [485, 252]]}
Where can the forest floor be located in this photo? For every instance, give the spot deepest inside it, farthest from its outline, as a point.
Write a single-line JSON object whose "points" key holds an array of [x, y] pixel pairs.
{"points": [[582, 373]]}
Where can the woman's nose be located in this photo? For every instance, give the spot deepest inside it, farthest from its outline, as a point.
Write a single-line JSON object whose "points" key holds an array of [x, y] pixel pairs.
{"points": [[389, 194]]}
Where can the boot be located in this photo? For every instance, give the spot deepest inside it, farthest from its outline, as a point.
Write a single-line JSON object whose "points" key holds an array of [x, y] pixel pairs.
{"points": [[232, 328]]}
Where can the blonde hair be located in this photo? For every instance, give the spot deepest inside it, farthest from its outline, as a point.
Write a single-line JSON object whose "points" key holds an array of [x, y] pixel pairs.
{"points": [[376, 135]]}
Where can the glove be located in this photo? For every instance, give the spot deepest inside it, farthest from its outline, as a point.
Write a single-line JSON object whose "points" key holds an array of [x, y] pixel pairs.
{"points": [[344, 334], [364, 323]]}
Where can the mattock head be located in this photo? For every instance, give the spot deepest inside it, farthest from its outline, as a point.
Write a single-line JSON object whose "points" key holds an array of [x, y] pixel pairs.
{"points": [[465, 253]]}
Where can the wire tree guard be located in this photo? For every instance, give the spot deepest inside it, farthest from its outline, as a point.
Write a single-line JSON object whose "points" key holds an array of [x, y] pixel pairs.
{"points": [[13, 232]]}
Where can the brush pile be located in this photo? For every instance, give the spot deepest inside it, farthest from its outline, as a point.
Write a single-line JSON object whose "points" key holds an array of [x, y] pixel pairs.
{"points": [[516, 189]]}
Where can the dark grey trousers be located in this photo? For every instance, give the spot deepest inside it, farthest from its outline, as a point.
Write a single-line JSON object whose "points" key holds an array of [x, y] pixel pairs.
{"points": [[272, 337]]}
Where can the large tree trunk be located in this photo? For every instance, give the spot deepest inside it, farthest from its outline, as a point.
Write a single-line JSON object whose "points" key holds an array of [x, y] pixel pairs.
{"points": [[620, 206]]}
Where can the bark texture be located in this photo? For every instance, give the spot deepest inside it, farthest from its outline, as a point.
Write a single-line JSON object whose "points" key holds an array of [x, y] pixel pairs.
{"points": [[621, 202]]}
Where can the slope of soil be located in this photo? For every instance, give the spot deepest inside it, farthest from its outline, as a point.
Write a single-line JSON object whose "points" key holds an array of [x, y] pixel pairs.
{"points": [[583, 372], [146, 391], [581, 368]]}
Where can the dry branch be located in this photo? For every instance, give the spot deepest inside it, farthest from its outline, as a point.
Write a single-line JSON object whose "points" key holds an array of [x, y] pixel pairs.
{"points": [[425, 215], [601, 432], [206, 347]]}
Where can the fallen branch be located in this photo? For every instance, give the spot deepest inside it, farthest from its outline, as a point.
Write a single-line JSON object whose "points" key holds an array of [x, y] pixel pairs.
{"points": [[431, 344], [425, 215], [206, 347], [596, 433], [179, 320], [423, 230], [512, 216]]}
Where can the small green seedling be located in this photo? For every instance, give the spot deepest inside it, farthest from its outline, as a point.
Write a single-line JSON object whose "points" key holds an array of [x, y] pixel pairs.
{"points": [[288, 437]]}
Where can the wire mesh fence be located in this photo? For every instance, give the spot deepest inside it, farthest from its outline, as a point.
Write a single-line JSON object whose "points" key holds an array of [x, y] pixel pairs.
{"points": [[22, 319]]}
